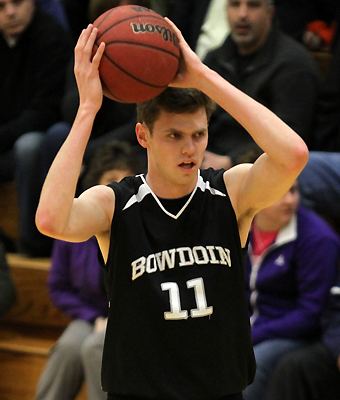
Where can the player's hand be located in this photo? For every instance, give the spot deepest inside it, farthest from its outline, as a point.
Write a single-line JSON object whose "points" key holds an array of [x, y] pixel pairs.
{"points": [[86, 70], [191, 67]]}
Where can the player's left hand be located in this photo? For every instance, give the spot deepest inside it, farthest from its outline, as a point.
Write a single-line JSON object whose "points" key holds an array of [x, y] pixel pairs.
{"points": [[191, 67]]}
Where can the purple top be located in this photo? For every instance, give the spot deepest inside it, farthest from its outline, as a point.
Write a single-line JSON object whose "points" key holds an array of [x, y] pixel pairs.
{"points": [[75, 280]]}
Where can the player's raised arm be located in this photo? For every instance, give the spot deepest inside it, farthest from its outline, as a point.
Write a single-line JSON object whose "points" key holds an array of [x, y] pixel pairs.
{"points": [[251, 187], [59, 214]]}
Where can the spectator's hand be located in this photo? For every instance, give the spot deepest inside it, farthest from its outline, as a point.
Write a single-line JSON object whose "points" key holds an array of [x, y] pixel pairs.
{"points": [[216, 161], [100, 324], [190, 68], [86, 70]]}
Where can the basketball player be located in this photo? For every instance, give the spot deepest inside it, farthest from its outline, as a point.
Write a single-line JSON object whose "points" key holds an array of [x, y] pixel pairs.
{"points": [[178, 326]]}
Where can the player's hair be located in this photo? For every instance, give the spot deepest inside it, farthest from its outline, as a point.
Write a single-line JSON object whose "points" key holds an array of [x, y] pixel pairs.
{"points": [[174, 100], [112, 155]]}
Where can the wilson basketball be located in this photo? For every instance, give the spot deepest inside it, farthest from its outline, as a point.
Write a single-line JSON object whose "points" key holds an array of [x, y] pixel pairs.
{"points": [[141, 54]]}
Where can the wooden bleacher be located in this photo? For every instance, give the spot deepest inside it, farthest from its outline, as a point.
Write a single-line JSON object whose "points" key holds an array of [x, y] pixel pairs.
{"points": [[29, 330]]}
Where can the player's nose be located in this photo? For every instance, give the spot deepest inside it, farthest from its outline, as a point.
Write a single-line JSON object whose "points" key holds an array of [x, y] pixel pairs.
{"points": [[188, 146]]}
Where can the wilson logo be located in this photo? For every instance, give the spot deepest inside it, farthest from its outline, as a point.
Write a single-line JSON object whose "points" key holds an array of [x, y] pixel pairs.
{"points": [[166, 33]]}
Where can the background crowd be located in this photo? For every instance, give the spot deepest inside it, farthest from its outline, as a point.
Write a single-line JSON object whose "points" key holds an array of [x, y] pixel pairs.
{"points": [[271, 50]]}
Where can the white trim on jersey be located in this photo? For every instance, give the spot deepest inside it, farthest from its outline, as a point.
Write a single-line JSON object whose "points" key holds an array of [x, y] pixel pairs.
{"points": [[145, 189]]}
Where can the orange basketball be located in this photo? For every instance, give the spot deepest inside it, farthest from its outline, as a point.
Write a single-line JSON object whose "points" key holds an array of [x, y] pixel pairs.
{"points": [[141, 53]]}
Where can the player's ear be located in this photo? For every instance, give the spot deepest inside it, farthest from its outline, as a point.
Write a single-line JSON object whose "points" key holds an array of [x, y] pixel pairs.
{"points": [[141, 134]]}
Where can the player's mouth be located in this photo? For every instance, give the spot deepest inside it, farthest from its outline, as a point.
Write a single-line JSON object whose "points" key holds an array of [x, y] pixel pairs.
{"points": [[187, 165]]}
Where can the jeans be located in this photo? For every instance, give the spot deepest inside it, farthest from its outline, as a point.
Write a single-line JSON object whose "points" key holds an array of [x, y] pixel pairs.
{"points": [[267, 355]]}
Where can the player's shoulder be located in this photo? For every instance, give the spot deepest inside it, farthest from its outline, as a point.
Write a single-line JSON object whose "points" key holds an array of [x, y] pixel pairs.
{"points": [[214, 178], [126, 188]]}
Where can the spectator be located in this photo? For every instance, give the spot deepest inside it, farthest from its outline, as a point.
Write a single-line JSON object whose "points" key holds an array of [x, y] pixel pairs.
{"points": [[34, 51], [7, 290], [313, 372], [320, 180], [267, 65], [76, 287], [44, 144], [291, 266]]}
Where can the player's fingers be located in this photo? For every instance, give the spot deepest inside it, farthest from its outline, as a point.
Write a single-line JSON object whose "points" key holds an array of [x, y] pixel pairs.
{"points": [[98, 55], [91, 39], [176, 30], [83, 37]]}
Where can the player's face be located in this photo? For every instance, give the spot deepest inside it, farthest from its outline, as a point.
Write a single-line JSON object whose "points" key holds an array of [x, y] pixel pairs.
{"points": [[250, 22], [15, 15], [281, 212], [176, 148]]}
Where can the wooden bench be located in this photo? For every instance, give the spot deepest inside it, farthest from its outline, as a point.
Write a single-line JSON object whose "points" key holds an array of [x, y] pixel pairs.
{"points": [[9, 215], [29, 330]]}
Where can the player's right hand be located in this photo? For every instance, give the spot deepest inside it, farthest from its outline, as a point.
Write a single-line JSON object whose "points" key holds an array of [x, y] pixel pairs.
{"points": [[86, 70]]}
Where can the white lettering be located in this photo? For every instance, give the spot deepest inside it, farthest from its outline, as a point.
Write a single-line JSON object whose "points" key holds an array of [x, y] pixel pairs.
{"points": [[138, 267]]}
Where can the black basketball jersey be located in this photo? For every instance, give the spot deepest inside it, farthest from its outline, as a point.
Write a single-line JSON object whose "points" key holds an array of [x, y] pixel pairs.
{"points": [[178, 324]]}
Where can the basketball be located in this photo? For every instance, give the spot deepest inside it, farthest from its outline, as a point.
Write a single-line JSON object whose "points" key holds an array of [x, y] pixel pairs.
{"points": [[141, 54]]}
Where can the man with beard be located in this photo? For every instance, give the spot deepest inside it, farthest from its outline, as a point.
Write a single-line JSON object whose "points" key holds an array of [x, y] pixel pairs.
{"points": [[267, 65]]}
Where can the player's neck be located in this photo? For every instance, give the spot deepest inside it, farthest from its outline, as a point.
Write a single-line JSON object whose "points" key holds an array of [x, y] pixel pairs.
{"points": [[166, 189]]}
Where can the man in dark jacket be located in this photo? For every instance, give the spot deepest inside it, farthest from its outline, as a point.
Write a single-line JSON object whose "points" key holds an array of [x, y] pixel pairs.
{"points": [[34, 51], [267, 65]]}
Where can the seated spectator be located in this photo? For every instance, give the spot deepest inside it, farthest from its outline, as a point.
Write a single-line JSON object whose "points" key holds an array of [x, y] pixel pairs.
{"points": [[34, 51], [291, 265], [36, 150], [77, 288], [7, 290], [267, 65], [320, 180], [326, 129], [313, 372]]}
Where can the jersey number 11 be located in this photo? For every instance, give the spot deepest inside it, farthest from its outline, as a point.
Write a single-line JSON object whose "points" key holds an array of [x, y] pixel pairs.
{"points": [[176, 312]]}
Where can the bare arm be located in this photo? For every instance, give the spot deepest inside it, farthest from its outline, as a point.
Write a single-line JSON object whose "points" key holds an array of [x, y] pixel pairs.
{"points": [[251, 187], [60, 214]]}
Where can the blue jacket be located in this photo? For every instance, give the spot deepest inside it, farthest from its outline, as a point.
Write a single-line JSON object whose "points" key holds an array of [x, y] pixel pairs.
{"points": [[288, 287], [76, 281]]}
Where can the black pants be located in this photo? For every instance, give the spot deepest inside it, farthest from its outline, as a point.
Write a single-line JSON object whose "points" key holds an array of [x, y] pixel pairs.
{"points": [[306, 374]]}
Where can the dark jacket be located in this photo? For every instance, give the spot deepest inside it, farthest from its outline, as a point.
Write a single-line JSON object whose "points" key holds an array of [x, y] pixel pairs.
{"points": [[32, 79], [281, 75]]}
